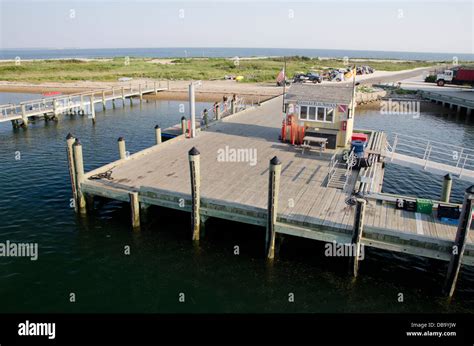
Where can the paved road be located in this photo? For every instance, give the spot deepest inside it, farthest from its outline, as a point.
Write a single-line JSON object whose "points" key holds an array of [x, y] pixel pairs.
{"points": [[417, 83]]}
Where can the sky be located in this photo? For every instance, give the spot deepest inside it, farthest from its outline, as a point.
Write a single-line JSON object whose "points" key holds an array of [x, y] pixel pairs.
{"points": [[420, 26]]}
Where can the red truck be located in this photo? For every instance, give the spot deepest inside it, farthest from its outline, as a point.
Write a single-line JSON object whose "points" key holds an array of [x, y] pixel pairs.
{"points": [[460, 75]]}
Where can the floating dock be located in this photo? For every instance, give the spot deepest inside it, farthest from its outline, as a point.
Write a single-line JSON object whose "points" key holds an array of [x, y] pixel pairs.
{"points": [[239, 170]]}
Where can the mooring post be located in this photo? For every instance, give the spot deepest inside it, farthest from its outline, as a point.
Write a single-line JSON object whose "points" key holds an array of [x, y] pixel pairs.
{"points": [[168, 85], [272, 206], [80, 202], [357, 233], [183, 125], [91, 100], [446, 191], [113, 98], [24, 117], [123, 96], [72, 171], [121, 147], [154, 88], [194, 169], [103, 100], [135, 210], [460, 242], [218, 111], [55, 110], [232, 106], [157, 134], [82, 104], [140, 92], [144, 208]]}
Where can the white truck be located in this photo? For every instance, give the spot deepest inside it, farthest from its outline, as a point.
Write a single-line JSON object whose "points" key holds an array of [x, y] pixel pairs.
{"points": [[460, 75]]}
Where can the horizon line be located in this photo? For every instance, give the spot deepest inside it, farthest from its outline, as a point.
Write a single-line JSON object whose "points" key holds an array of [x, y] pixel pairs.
{"points": [[223, 47]]}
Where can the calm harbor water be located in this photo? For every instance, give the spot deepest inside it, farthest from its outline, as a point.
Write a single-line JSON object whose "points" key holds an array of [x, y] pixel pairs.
{"points": [[86, 257]]}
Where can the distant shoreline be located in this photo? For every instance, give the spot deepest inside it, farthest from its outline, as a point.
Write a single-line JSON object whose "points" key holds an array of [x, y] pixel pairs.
{"points": [[245, 58], [220, 52]]}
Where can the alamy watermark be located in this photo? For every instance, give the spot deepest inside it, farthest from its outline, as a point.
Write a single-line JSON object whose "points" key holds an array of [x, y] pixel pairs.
{"points": [[343, 250], [37, 329], [394, 107], [10, 249], [228, 154]]}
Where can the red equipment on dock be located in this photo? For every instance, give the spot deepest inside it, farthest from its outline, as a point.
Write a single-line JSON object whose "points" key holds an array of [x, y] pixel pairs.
{"points": [[359, 137], [291, 131]]}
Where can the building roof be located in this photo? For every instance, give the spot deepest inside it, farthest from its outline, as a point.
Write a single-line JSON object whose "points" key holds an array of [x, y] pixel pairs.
{"points": [[326, 93]]}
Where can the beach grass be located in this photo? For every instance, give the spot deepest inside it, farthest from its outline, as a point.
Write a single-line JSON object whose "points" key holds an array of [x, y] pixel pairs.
{"points": [[253, 70]]}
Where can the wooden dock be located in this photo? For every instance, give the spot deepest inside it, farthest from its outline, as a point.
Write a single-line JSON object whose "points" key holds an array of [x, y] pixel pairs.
{"points": [[80, 103], [296, 200], [458, 100]]}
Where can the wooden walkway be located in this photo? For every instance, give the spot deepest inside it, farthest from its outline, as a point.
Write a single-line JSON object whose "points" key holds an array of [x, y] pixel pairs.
{"points": [[79, 102], [239, 190]]}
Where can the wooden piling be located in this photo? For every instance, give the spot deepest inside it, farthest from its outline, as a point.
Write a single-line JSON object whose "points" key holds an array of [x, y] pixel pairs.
{"points": [[135, 210], [103, 100], [82, 104], [91, 100], [79, 170], [140, 92], [121, 147], [218, 112], [24, 117], [154, 88], [446, 191], [144, 208], [55, 110], [157, 134], [113, 98], [183, 125], [194, 170], [123, 96], [357, 233], [72, 171], [460, 242], [272, 206]]}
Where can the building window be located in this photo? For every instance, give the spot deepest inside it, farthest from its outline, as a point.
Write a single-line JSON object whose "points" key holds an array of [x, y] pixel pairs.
{"points": [[304, 112], [320, 114], [329, 115]]}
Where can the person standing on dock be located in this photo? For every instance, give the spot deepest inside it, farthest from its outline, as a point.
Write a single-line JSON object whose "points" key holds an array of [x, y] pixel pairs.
{"points": [[205, 118], [215, 109], [224, 101]]}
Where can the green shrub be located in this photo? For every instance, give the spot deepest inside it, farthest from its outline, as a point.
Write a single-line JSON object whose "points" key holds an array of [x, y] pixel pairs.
{"points": [[430, 79]]}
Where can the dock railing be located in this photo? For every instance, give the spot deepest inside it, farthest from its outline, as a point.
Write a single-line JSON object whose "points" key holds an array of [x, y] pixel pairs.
{"points": [[331, 168], [351, 161], [427, 151], [63, 102]]}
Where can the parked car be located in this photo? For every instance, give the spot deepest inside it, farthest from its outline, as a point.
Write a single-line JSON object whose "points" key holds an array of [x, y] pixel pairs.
{"points": [[314, 77], [310, 77], [300, 77]]}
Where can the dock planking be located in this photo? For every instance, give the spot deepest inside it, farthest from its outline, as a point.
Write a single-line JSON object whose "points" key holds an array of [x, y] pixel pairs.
{"points": [[238, 189]]}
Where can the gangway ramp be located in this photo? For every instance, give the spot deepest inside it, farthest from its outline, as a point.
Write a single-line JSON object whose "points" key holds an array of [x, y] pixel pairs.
{"points": [[432, 156]]}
